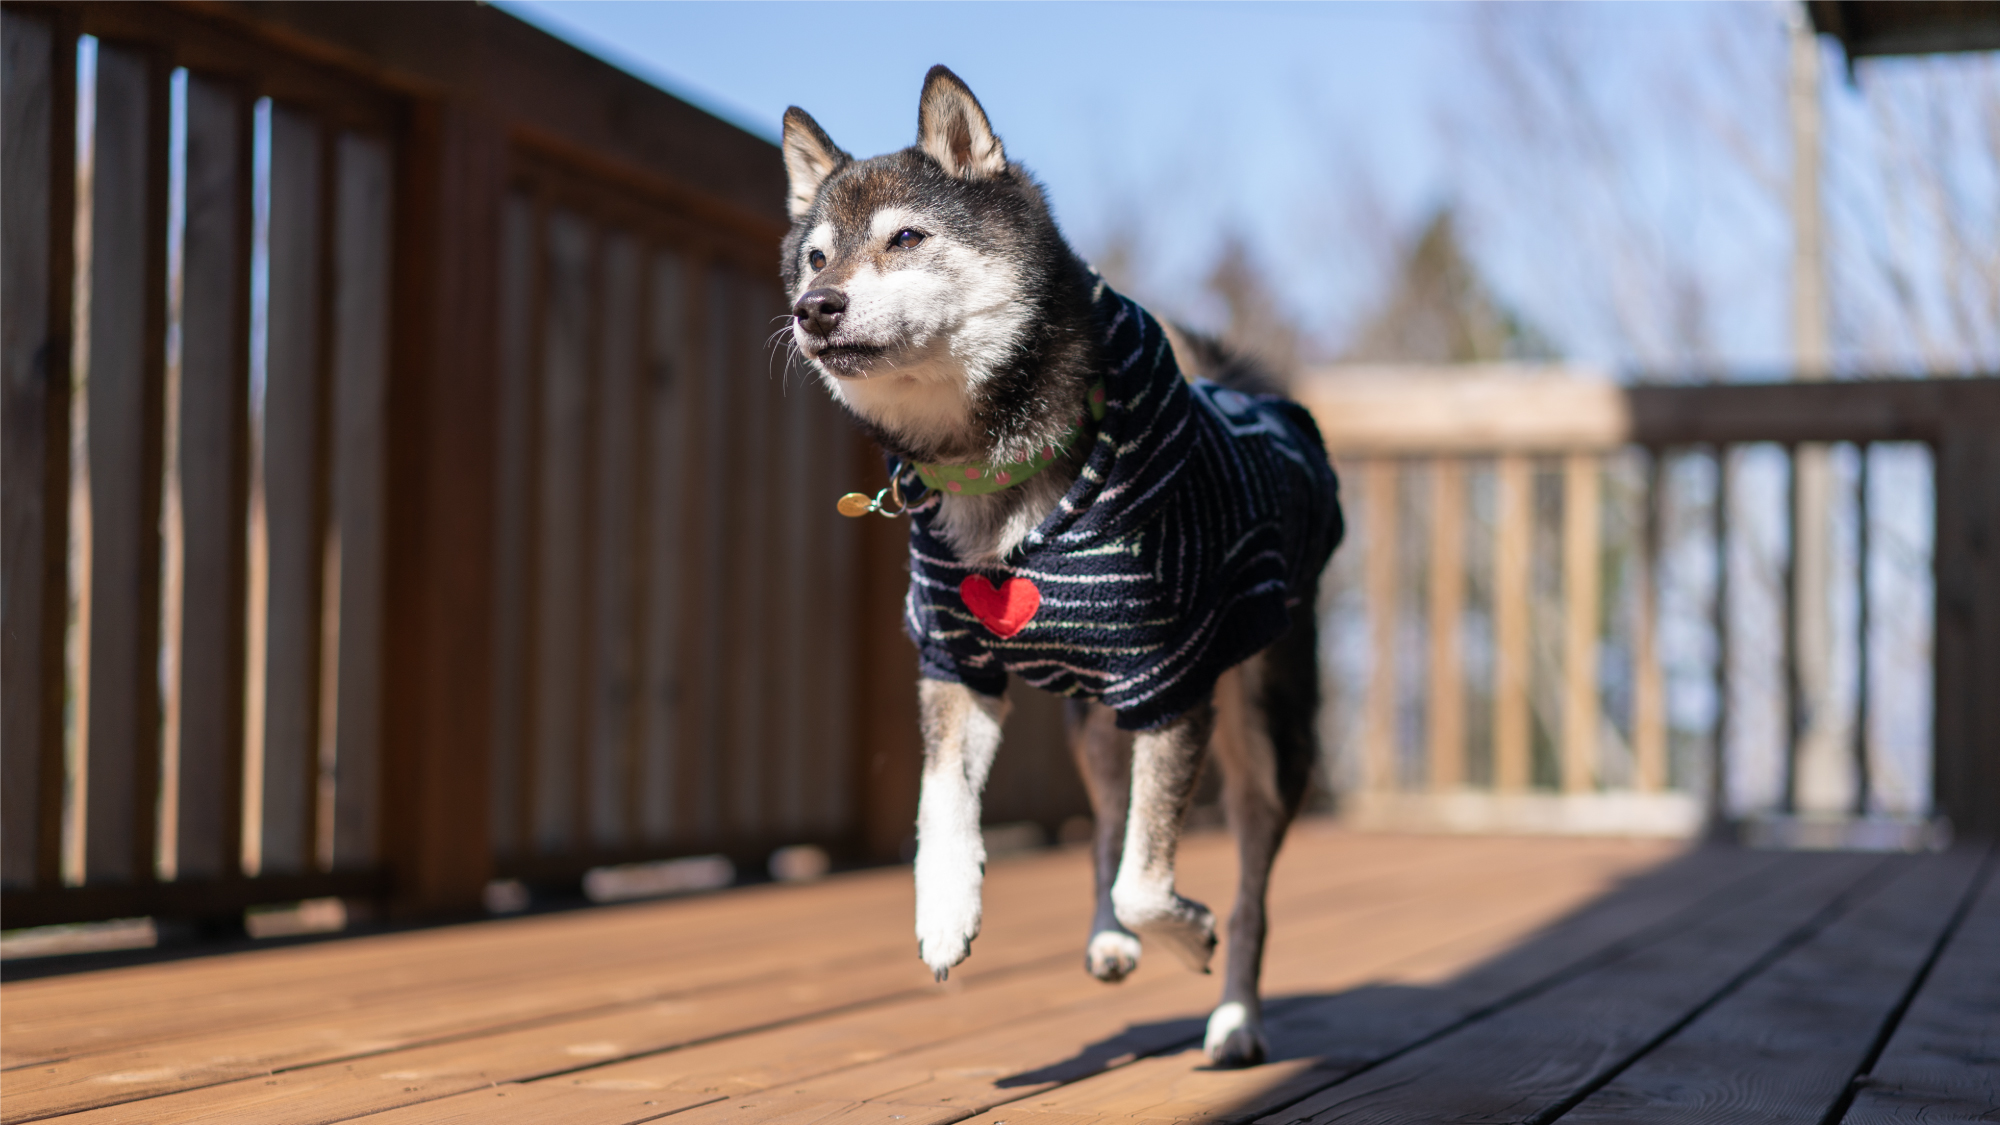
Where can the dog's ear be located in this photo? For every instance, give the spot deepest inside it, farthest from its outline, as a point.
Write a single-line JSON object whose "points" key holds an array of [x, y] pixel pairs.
{"points": [[953, 129], [810, 157]]}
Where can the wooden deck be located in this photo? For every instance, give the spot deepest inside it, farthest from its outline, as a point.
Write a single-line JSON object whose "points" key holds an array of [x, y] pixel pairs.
{"points": [[1412, 979]]}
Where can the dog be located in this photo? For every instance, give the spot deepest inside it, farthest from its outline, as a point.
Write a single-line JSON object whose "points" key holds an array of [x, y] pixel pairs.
{"points": [[1158, 540]]}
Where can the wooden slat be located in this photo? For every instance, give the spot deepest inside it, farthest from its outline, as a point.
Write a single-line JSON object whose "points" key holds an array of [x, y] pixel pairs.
{"points": [[211, 469], [119, 611], [831, 754], [558, 667], [1528, 1058], [750, 460], [1966, 645], [513, 507], [1379, 743], [360, 371], [1823, 783], [289, 503], [1512, 552], [1792, 694], [1717, 797], [1864, 772], [1784, 1047], [798, 621], [1447, 608], [702, 792], [608, 750], [37, 197], [1581, 497], [669, 476], [1649, 712], [1937, 1065]]}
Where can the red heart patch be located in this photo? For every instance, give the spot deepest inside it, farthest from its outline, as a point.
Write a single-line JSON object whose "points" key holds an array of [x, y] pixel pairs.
{"points": [[1003, 610]]}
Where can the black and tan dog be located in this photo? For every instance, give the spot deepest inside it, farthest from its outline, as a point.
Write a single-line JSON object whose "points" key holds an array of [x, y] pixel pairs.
{"points": [[1083, 518]]}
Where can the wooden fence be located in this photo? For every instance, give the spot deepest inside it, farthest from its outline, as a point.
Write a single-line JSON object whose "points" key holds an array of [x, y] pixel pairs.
{"points": [[1543, 444], [401, 489]]}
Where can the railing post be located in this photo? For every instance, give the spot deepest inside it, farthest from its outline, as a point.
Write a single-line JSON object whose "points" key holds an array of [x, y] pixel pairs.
{"points": [[1649, 727], [1966, 765], [1580, 619], [1447, 598], [437, 663], [1379, 496], [37, 201], [1512, 544]]}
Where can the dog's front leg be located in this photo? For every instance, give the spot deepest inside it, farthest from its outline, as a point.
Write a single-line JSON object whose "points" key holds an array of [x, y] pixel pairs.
{"points": [[961, 733], [1165, 764]]}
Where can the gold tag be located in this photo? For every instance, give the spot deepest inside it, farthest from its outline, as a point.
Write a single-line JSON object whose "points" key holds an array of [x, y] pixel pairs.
{"points": [[855, 504]]}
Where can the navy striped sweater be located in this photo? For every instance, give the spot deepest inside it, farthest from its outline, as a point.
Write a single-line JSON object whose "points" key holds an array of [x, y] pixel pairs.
{"points": [[1202, 517]]}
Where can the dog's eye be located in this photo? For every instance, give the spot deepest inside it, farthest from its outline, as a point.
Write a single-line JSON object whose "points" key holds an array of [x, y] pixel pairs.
{"points": [[905, 239], [816, 260]]}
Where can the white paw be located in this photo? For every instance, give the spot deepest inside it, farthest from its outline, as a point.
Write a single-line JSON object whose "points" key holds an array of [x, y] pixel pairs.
{"points": [[948, 884], [1183, 925], [1235, 1036], [1112, 956]]}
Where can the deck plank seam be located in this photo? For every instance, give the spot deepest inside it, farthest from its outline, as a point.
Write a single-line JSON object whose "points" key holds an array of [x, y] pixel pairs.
{"points": [[1869, 882], [772, 1025], [1277, 1009], [1716, 902], [1894, 1019]]}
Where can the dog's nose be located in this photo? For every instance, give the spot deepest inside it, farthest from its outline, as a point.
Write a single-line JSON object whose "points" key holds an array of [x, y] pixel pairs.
{"points": [[818, 311]]}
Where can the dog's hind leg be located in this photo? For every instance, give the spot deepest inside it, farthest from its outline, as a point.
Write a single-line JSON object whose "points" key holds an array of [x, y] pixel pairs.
{"points": [[1165, 763], [1264, 743], [961, 731], [1104, 758]]}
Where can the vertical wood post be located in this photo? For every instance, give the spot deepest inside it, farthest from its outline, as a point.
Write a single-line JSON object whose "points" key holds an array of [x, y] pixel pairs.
{"points": [[37, 202], [1717, 815], [124, 389], [212, 472], [1511, 548], [1580, 619], [437, 641], [1966, 763], [1447, 607], [1379, 494], [887, 750], [1649, 726], [1858, 747]]}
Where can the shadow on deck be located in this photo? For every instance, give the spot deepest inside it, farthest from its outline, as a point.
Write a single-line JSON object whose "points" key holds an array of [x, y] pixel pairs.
{"points": [[1411, 979]]}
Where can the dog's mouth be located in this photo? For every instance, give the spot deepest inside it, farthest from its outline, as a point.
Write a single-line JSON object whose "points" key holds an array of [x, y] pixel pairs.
{"points": [[848, 360]]}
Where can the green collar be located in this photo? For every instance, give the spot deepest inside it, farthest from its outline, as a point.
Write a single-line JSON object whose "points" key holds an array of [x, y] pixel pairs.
{"points": [[978, 478]]}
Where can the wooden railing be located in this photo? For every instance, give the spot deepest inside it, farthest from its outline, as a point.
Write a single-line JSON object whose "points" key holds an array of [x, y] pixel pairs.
{"points": [[1542, 445], [401, 490]]}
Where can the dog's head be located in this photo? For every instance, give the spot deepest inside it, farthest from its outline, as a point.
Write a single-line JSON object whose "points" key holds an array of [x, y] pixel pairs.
{"points": [[914, 276]]}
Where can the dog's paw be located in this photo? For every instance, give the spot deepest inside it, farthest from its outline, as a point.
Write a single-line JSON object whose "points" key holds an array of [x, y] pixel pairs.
{"points": [[1112, 955], [1235, 1036], [1183, 925], [947, 916]]}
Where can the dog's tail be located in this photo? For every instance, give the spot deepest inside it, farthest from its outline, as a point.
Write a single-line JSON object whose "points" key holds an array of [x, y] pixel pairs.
{"points": [[1202, 356]]}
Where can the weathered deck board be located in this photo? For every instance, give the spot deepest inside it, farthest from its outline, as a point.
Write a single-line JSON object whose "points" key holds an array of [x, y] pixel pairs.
{"points": [[1528, 1057], [1942, 1063], [1458, 968], [1783, 1047]]}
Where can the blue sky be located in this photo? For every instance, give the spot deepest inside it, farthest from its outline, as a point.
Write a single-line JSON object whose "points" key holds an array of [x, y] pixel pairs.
{"points": [[1326, 133]]}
